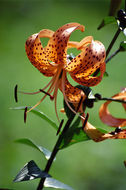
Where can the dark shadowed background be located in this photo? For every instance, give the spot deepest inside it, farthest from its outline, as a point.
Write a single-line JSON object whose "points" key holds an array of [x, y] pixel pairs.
{"points": [[84, 166]]}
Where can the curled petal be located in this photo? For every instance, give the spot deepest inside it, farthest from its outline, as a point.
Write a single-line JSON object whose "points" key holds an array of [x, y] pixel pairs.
{"points": [[87, 62], [82, 44], [36, 52], [105, 115], [72, 93], [98, 136], [56, 49]]}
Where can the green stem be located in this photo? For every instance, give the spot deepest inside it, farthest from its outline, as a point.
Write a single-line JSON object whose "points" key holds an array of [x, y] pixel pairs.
{"points": [[114, 100], [113, 41], [115, 53], [55, 151], [57, 145]]}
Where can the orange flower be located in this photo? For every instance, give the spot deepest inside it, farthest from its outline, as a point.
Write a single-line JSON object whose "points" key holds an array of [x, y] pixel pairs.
{"points": [[110, 120], [52, 61]]}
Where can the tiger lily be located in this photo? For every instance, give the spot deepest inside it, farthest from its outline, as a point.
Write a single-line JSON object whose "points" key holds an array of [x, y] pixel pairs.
{"points": [[52, 61], [110, 120]]}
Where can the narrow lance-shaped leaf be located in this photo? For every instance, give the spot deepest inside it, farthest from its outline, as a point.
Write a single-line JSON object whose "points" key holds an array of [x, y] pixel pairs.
{"points": [[40, 114], [29, 172], [29, 142], [73, 136], [53, 183]]}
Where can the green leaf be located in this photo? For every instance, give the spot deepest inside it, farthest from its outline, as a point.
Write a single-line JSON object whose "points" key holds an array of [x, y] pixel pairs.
{"points": [[30, 171], [102, 130], [53, 183], [74, 135], [76, 123], [40, 114], [107, 20], [123, 46], [29, 142]]}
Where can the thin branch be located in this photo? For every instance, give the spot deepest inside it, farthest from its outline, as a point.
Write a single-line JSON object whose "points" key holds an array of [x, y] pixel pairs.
{"points": [[109, 49], [115, 53], [114, 100], [113, 41]]}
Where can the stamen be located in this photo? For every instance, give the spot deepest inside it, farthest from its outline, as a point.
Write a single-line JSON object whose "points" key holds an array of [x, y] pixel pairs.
{"points": [[51, 97], [69, 106], [55, 100], [15, 93], [60, 126], [37, 104], [29, 93], [25, 114]]}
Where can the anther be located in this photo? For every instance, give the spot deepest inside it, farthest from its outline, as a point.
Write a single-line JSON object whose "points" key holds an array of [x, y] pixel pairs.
{"points": [[15, 93], [25, 114], [51, 97]]}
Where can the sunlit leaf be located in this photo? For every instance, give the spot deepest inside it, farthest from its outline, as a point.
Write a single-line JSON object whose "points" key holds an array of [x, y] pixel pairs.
{"points": [[53, 183], [74, 135], [123, 46], [29, 172], [107, 20], [29, 142], [40, 114]]}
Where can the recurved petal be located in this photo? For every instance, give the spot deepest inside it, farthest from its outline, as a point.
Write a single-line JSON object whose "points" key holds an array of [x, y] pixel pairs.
{"points": [[89, 80], [82, 44], [56, 49], [87, 62], [36, 53], [72, 93], [106, 116], [98, 136]]}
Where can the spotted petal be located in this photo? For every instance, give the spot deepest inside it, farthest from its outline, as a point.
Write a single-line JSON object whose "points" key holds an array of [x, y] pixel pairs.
{"points": [[82, 44], [36, 52], [72, 93], [105, 115], [86, 63], [56, 49]]}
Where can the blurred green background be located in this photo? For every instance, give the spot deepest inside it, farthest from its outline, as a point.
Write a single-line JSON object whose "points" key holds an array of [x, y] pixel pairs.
{"points": [[84, 166]]}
